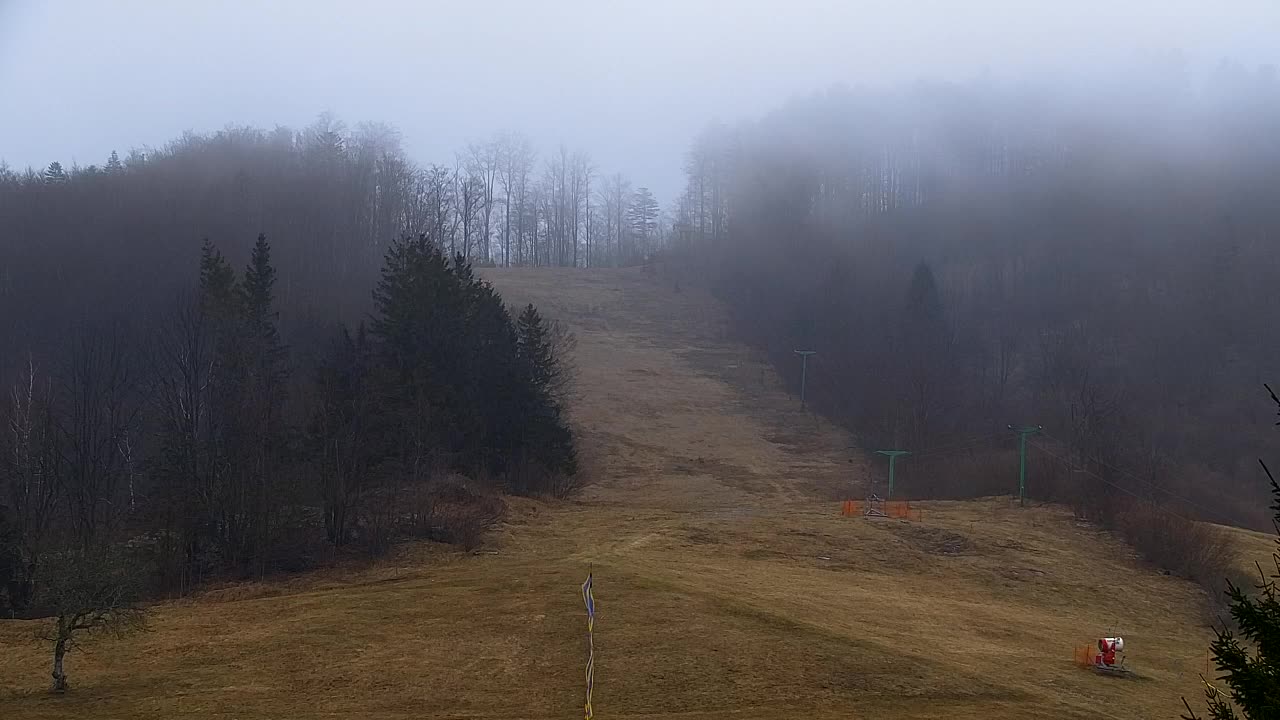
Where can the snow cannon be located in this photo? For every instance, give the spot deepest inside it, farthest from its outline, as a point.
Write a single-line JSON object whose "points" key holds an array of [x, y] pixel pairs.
{"points": [[1106, 656], [1107, 649], [1109, 657]]}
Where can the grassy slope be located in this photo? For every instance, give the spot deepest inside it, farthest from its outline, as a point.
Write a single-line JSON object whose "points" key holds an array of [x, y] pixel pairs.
{"points": [[728, 586]]}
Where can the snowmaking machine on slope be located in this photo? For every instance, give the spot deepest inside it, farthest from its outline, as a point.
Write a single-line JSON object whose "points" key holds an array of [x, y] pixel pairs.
{"points": [[1105, 657]]}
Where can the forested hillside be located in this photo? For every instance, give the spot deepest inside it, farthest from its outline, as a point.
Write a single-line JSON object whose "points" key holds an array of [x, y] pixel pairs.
{"points": [[112, 237], [758, 359], [168, 418], [1095, 257], [727, 583]]}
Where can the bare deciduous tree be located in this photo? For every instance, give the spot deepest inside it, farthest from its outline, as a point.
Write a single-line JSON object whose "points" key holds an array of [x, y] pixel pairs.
{"points": [[87, 593], [484, 163], [29, 479], [99, 402]]}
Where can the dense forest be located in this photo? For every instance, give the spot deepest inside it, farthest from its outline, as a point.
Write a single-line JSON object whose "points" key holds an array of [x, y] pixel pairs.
{"points": [[1097, 258], [330, 197], [354, 383]]}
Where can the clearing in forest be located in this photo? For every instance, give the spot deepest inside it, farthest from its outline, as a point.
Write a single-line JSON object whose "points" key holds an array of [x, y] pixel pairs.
{"points": [[727, 584]]}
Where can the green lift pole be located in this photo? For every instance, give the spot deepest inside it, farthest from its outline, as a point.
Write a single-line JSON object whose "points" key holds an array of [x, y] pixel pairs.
{"points": [[893, 455], [1023, 432], [804, 370]]}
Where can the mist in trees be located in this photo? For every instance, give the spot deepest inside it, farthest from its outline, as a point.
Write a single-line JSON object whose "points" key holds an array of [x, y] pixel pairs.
{"points": [[1087, 255], [220, 413], [331, 197], [133, 395], [1082, 252]]}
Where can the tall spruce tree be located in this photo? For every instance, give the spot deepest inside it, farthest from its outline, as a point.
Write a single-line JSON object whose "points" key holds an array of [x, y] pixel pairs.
{"points": [[417, 327], [456, 372], [536, 351], [1249, 672], [248, 438], [927, 363], [260, 379], [217, 281], [257, 304], [220, 508], [55, 174], [924, 305], [643, 216], [493, 350], [548, 438]]}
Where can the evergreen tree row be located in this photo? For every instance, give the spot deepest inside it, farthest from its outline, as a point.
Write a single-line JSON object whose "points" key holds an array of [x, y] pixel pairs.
{"points": [[207, 446], [442, 377]]}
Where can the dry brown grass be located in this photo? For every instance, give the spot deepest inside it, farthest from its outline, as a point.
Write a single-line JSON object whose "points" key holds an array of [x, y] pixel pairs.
{"points": [[725, 587]]}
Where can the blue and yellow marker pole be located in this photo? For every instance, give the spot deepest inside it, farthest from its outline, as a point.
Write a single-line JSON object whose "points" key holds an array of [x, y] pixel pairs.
{"points": [[589, 600]]}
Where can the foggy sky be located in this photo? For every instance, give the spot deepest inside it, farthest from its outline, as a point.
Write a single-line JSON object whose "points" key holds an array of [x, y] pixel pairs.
{"points": [[630, 82]]}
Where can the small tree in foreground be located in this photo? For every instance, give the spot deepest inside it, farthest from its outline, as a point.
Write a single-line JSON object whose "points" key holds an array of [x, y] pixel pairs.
{"points": [[1252, 679], [87, 593]]}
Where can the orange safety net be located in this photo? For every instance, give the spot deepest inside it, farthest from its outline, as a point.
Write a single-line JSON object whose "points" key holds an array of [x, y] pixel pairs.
{"points": [[899, 509], [1084, 655], [902, 510]]}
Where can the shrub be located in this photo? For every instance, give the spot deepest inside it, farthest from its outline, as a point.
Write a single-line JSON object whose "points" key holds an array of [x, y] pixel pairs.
{"points": [[459, 514], [1201, 552], [452, 510], [1193, 550], [529, 477]]}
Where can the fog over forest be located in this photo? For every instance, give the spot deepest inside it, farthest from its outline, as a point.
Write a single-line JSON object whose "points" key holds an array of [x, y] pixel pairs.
{"points": [[630, 82], [978, 214]]}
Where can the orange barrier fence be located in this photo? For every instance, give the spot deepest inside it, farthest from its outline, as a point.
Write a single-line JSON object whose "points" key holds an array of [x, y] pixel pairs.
{"points": [[898, 509], [1084, 655], [902, 510]]}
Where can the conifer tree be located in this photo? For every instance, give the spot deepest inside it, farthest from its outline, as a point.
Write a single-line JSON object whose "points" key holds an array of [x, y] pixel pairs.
{"points": [[926, 362], [55, 173], [259, 439], [247, 392], [924, 306], [537, 352], [455, 370], [1249, 672], [256, 295], [496, 379], [217, 280], [549, 439], [416, 328]]}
